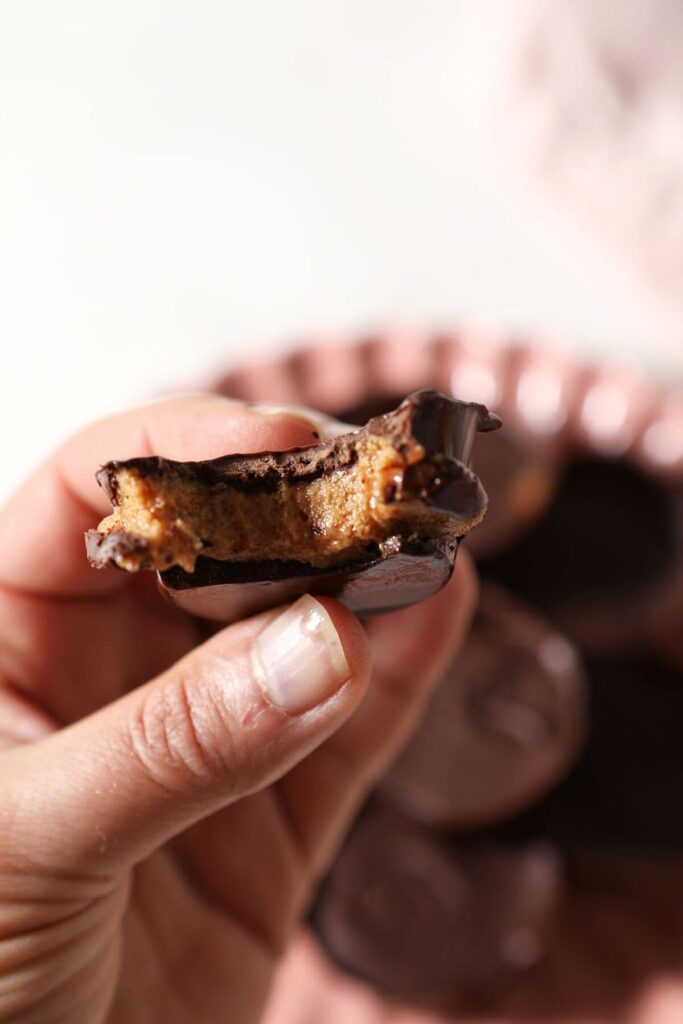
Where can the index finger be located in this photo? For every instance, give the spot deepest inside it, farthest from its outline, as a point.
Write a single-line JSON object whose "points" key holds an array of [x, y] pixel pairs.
{"points": [[42, 525]]}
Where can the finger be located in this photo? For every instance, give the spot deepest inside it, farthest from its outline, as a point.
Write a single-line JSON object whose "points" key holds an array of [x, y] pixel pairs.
{"points": [[295, 825], [411, 650], [132, 636], [20, 721], [42, 525], [225, 721]]}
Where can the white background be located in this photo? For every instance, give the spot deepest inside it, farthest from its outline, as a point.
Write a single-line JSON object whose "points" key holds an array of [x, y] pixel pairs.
{"points": [[185, 183]]}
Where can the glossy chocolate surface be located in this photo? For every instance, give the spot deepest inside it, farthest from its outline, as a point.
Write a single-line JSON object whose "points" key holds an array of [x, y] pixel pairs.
{"points": [[503, 727], [601, 557], [604, 558], [623, 793], [402, 573], [427, 919]]}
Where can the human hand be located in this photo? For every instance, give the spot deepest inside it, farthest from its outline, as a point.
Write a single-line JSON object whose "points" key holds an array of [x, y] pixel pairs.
{"points": [[160, 840]]}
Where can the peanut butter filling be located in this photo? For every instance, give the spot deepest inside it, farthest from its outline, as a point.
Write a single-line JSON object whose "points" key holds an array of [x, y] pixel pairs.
{"points": [[318, 521]]}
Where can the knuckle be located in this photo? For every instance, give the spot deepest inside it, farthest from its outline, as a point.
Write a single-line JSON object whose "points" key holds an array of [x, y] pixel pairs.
{"points": [[182, 737]]}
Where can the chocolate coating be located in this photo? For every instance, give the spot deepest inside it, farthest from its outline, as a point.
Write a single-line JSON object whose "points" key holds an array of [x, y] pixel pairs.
{"points": [[440, 424], [519, 477], [402, 570], [503, 727], [624, 791], [605, 559], [429, 920], [106, 550]]}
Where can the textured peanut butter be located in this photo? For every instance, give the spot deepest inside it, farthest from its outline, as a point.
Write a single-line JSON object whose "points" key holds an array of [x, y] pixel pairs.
{"points": [[318, 521]]}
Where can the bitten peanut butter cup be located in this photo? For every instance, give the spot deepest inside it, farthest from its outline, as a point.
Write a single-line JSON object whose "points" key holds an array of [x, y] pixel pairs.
{"points": [[373, 517]]}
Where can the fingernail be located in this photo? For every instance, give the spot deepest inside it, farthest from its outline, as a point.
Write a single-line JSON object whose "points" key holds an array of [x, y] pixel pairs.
{"points": [[325, 426], [299, 659]]}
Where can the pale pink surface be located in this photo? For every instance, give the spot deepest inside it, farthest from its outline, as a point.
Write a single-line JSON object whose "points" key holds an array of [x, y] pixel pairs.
{"points": [[538, 389], [546, 398], [248, 382], [590, 105], [327, 377], [609, 408], [476, 368], [661, 442], [396, 359]]}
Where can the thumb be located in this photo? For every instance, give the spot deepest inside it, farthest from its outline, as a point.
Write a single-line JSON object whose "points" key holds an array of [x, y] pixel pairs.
{"points": [[226, 720]]}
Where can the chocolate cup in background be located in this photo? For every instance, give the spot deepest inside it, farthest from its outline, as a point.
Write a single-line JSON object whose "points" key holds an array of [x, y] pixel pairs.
{"points": [[613, 583], [566, 424], [623, 794], [430, 920], [613, 442], [636, 431], [608, 411], [659, 448], [357, 380], [605, 560], [537, 388], [504, 726]]}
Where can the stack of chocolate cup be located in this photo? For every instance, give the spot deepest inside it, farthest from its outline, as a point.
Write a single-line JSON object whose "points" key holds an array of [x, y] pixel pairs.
{"points": [[555, 733]]}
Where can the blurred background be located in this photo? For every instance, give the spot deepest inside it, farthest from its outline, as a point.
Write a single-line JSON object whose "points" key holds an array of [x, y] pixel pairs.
{"points": [[189, 188], [183, 185]]}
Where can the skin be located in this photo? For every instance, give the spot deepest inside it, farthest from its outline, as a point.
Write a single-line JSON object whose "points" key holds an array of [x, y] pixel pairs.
{"points": [[162, 826]]}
